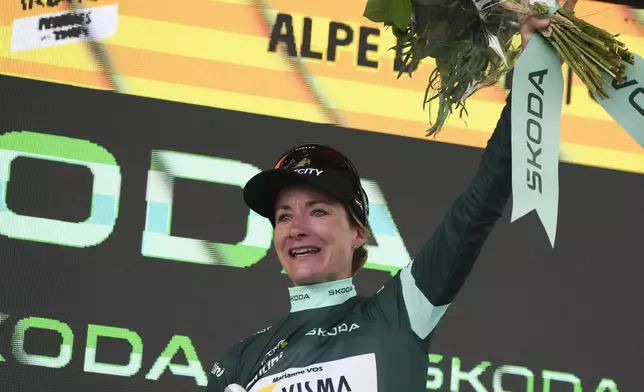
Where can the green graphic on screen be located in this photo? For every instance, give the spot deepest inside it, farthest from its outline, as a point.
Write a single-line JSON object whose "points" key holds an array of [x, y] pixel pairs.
{"points": [[66, 346], [164, 361], [136, 354], [390, 254], [157, 240], [105, 193], [442, 373]]}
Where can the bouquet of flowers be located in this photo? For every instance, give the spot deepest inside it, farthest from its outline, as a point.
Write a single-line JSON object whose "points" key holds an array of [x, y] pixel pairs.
{"points": [[472, 44]]}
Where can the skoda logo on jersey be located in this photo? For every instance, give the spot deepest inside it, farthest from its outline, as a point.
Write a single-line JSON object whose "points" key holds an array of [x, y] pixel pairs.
{"points": [[342, 290], [333, 331], [299, 297]]}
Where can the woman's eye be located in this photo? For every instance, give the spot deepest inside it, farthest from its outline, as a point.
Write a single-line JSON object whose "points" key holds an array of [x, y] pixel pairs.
{"points": [[282, 217], [318, 213]]}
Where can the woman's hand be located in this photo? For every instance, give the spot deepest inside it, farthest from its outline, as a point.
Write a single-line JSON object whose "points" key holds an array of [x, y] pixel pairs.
{"points": [[234, 388], [531, 23]]}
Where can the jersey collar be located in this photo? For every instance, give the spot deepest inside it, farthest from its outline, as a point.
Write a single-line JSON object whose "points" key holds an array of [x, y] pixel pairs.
{"points": [[321, 295]]}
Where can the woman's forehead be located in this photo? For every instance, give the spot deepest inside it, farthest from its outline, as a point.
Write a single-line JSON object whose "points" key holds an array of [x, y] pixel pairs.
{"points": [[298, 194]]}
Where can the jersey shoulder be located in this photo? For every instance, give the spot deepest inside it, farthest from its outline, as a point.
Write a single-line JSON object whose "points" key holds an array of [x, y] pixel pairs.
{"points": [[232, 357], [254, 341]]}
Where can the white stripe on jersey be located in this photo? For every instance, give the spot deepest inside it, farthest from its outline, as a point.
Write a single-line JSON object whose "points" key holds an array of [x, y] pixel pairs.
{"points": [[423, 316]]}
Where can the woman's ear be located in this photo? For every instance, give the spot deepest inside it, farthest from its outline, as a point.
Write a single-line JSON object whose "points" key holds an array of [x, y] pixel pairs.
{"points": [[360, 238]]}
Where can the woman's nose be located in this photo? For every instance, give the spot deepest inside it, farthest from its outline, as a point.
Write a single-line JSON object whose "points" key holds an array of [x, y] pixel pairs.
{"points": [[297, 227]]}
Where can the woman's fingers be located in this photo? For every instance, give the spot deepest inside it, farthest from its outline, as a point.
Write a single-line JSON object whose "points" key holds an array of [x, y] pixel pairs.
{"points": [[530, 24], [570, 5]]}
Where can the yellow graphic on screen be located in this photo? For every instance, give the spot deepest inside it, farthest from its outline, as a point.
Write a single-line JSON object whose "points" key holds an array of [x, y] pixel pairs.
{"points": [[219, 53]]}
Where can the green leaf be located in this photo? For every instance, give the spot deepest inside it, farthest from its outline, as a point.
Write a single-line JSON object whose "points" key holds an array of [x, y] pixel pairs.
{"points": [[541, 8], [389, 12]]}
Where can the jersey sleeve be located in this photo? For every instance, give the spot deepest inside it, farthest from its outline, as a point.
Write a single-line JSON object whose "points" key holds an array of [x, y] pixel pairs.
{"points": [[418, 296], [224, 371]]}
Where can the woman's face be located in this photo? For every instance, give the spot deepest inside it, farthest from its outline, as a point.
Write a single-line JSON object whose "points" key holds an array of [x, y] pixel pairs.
{"points": [[314, 238]]}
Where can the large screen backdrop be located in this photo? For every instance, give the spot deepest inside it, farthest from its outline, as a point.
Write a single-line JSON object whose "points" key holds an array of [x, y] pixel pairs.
{"points": [[128, 260]]}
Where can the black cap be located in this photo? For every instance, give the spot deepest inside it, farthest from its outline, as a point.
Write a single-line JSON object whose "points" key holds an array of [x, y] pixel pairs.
{"points": [[318, 166]]}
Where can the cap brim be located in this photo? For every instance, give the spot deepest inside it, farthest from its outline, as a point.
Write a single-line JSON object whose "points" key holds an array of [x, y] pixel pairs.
{"points": [[262, 190]]}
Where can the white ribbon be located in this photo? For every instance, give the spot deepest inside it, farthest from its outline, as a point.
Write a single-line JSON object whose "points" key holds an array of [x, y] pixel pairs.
{"points": [[537, 100]]}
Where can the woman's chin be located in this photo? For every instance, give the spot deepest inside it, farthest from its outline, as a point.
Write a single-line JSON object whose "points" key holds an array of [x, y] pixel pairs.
{"points": [[307, 276], [306, 279]]}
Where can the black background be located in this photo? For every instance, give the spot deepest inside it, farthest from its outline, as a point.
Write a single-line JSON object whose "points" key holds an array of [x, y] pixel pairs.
{"points": [[576, 308]]}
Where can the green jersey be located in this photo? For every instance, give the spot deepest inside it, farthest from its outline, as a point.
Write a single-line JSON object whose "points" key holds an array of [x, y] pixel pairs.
{"points": [[336, 341]]}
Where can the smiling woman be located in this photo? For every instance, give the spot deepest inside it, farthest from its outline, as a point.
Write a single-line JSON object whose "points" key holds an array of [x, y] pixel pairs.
{"points": [[314, 199], [332, 339], [315, 237]]}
